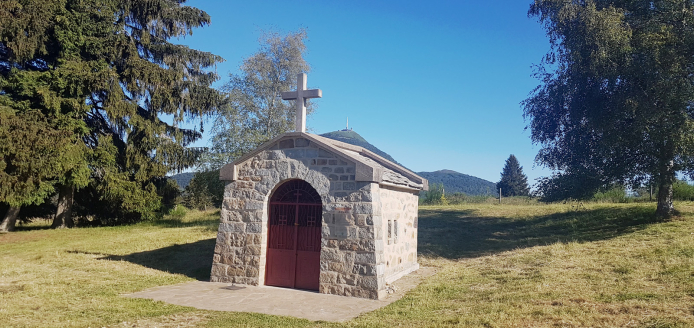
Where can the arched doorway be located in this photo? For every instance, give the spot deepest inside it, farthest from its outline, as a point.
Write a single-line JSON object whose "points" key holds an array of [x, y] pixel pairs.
{"points": [[294, 236]]}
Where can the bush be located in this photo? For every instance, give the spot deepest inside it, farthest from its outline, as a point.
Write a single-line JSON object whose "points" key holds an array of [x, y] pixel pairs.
{"points": [[616, 194], [178, 212], [683, 191]]}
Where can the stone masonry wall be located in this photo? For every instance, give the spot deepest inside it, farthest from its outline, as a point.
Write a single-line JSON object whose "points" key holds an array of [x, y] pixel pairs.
{"points": [[349, 250], [399, 212]]}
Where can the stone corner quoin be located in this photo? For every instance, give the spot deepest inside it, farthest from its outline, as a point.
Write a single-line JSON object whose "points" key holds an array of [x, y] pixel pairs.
{"points": [[368, 229]]}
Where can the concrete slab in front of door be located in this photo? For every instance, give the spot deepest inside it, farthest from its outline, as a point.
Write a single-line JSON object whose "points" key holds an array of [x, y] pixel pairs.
{"points": [[277, 301]]}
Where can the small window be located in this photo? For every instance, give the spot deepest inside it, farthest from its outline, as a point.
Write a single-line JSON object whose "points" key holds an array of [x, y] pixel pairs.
{"points": [[390, 232], [395, 232]]}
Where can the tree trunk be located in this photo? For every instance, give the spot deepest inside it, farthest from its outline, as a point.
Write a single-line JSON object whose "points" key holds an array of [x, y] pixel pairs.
{"points": [[7, 224], [665, 208], [63, 217]]}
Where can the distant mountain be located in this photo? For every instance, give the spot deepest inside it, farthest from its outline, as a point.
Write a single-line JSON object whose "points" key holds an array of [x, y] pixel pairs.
{"points": [[183, 179], [457, 182], [353, 138]]}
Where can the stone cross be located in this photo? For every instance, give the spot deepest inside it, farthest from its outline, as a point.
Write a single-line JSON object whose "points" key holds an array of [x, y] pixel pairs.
{"points": [[301, 95]]}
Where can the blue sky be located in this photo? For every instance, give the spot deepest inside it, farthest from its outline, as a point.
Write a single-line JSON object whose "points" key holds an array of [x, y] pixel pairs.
{"points": [[436, 84]]}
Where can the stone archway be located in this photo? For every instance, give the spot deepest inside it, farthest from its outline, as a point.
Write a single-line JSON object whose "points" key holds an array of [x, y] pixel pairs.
{"points": [[295, 214]]}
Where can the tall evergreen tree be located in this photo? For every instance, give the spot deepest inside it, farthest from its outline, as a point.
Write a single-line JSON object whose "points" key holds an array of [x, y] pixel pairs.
{"points": [[256, 112], [105, 71], [34, 155], [615, 101], [513, 180]]}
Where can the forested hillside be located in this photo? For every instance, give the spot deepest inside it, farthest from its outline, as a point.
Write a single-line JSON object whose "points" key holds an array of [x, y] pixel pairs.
{"points": [[183, 179], [354, 138], [458, 182]]}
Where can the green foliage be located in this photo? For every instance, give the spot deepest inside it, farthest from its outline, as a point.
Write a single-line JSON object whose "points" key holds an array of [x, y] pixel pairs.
{"points": [[435, 195], [256, 112], [683, 191], [205, 189], [513, 181], [616, 194], [34, 155], [178, 212], [104, 71], [616, 107], [170, 193]]}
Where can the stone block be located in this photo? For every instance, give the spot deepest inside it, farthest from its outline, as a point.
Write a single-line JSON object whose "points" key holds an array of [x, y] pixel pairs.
{"points": [[328, 278], [324, 153], [254, 205], [251, 272], [301, 142], [310, 153], [294, 153], [339, 170], [348, 245], [230, 216], [332, 162], [348, 279], [326, 169], [344, 178], [349, 170], [341, 194], [366, 232], [333, 177], [363, 208], [364, 269], [232, 227], [349, 186], [336, 290], [369, 283], [365, 258], [331, 255], [367, 245], [219, 270], [336, 266], [287, 143], [254, 227], [253, 250]]}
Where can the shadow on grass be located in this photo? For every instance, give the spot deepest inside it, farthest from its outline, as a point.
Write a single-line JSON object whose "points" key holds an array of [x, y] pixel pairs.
{"points": [[193, 260], [210, 224], [461, 234]]}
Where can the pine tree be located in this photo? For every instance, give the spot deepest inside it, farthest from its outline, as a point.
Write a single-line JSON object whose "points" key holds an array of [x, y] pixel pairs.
{"points": [[106, 71], [513, 181]]}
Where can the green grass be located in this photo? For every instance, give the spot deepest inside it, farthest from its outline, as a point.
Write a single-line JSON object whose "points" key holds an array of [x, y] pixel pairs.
{"points": [[599, 265]]}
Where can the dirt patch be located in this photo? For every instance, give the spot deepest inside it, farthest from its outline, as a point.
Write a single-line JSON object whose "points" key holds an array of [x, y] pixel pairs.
{"points": [[17, 237], [183, 320]]}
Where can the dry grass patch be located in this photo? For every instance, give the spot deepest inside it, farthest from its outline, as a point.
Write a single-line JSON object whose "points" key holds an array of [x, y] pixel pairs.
{"points": [[526, 265]]}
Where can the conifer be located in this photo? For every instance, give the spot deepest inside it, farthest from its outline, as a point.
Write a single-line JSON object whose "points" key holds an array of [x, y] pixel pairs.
{"points": [[105, 71], [513, 181]]}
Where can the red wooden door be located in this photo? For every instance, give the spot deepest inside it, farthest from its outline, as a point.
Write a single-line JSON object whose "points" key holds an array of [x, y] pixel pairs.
{"points": [[294, 237]]}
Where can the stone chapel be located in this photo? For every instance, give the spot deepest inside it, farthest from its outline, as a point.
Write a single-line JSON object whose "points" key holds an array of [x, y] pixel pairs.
{"points": [[307, 212]]}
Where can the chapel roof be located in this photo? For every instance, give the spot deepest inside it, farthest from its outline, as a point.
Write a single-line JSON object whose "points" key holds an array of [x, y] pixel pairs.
{"points": [[370, 166]]}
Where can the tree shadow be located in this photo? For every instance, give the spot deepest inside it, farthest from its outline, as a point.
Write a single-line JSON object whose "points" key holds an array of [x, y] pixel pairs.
{"points": [[465, 234], [192, 260]]}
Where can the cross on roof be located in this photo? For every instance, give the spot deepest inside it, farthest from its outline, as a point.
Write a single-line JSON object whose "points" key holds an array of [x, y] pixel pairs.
{"points": [[300, 95]]}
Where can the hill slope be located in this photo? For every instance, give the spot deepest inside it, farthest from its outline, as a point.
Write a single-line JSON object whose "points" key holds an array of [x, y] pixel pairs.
{"points": [[183, 179], [354, 138], [458, 182]]}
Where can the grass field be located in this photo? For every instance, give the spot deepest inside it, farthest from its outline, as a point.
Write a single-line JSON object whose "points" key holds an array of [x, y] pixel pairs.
{"points": [[526, 265]]}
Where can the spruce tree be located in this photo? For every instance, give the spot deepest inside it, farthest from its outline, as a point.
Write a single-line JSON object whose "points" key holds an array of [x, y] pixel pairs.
{"points": [[513, 181], [105, 71], [34, 155]]}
